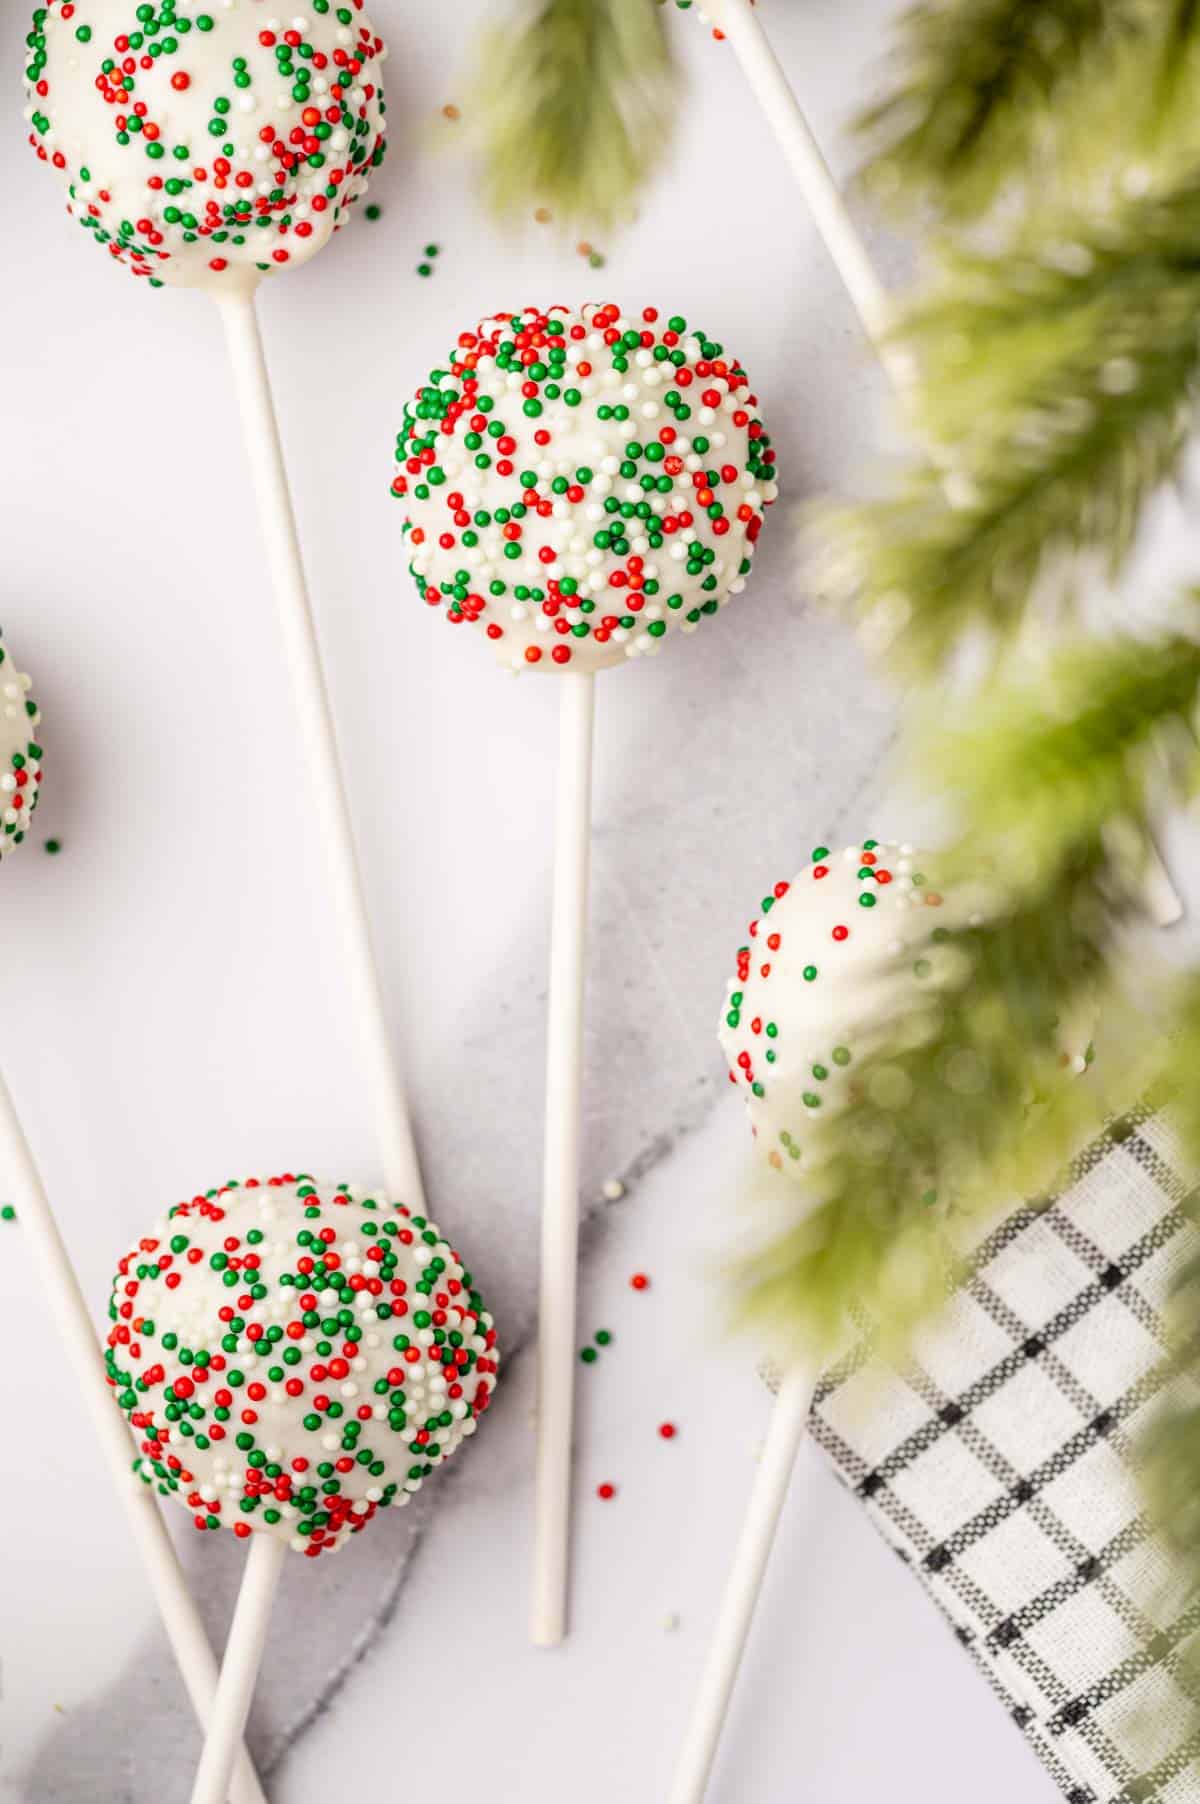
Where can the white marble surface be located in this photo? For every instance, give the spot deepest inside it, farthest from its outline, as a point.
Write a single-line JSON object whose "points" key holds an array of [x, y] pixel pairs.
{"points": [[173, 1012]]}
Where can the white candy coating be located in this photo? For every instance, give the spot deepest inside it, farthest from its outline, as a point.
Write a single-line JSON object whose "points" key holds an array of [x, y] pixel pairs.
{"points": [[162, 126], [20, 753], [817, 983], [578, 510], [807, 980], [293, 1356]]}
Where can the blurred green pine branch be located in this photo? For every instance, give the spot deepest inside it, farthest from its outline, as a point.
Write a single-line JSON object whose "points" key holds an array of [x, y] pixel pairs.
{"points": [[573, 107], [990, 98], [1058, 385]]}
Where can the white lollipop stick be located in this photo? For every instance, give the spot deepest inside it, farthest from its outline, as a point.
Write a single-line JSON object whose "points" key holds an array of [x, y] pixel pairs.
{"points": [[560, 1188], [788, 1420], [764, 74], [770, 86], [239, 1673], [189, 1643], [390, 1110]]}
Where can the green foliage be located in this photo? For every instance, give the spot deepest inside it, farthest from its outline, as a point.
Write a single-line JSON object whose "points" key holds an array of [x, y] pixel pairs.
{"points": [[1055, 757], [975, 92], [573, 106], [1174, 87], [1058, 384], [992, 100]]}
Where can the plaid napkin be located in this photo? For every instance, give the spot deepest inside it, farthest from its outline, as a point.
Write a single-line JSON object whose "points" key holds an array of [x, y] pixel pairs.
{"points": [[998, 1465]]}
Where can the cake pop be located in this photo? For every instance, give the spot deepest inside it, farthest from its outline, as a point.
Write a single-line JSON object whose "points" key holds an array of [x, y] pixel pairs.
{"points": [[204, 141], [20, 753], [294, 1357], [817, 984], [579, 484]]}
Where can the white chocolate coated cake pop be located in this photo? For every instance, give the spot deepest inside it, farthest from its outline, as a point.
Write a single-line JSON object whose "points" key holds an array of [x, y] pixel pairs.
{"points": [[206, 142], [293, 1357], [810, 994], [800, 1001], [580, 484], [20, 753]]}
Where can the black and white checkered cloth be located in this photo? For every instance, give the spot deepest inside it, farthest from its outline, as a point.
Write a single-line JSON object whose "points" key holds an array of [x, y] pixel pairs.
{"points": [[999, 1466]]}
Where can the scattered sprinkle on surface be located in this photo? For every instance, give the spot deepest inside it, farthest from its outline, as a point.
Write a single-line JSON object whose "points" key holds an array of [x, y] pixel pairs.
{"points": [[8, 1213], [54, 847], [603, 1337], [605, 1491], [667, 1430], [639, 1281], [613, 1190], [589, 1355], [374, 211]]}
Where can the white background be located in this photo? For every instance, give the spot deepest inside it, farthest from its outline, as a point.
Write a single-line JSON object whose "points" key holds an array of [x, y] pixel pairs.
{"points": [[172, 1010]]}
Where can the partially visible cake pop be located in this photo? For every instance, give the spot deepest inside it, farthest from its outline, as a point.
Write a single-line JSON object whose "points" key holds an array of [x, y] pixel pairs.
{"points": [[20, 752], [816, 983], [203, 141], [579, 484], [294, 1357], [801, 999]]}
